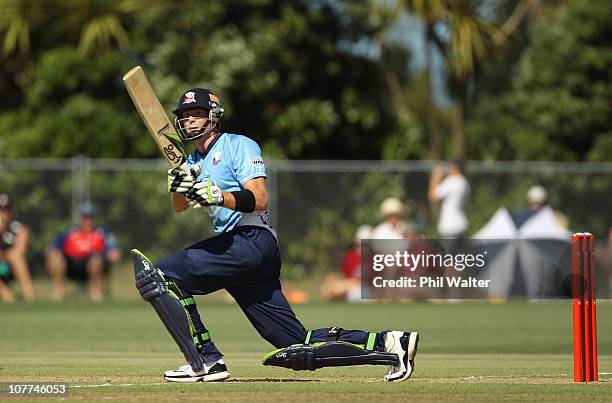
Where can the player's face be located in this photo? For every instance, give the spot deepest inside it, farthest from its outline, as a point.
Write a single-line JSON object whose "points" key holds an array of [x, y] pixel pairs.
{"points": [[195, 120]]}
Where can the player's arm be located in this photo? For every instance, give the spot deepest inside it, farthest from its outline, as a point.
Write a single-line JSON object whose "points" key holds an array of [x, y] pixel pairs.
{"points": [[179, 202], [257, 187], [434, 181], [17, 259], [21, 241]]}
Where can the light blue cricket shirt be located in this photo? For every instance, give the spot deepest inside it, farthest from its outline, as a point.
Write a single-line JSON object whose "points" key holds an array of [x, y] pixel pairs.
{"points": [[230, 161]]}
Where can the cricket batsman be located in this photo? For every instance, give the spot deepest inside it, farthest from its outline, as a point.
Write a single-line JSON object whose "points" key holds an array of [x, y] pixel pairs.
{"points": [[226, 175]]}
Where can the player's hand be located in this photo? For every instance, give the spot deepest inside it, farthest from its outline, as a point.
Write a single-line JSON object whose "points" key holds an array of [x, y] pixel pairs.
{"points": [[182, 178], [204, 194]]}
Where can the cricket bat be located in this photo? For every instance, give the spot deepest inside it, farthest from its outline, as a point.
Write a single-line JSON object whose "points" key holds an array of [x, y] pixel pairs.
{"points": [[154, 117]]}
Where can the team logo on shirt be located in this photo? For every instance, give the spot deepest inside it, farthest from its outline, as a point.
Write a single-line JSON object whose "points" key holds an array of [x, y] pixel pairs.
{"points": [[189, 98], [216, 158]]}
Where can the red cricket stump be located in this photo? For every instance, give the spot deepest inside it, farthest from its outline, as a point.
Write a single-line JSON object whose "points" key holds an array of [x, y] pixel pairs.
{"points": [[593, 310], [584, 308], [577, 311]]}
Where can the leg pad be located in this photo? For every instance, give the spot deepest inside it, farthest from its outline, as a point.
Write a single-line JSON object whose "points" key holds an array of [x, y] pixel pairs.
{"points": [[153, 289], [329, 354]]}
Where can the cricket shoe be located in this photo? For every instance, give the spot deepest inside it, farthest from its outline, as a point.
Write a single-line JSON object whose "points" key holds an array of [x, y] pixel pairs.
{"points": [[404, 344], [212, 371]]}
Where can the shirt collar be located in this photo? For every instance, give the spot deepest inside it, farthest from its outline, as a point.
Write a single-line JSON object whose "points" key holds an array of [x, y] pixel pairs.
{"points": [[210, 146]]}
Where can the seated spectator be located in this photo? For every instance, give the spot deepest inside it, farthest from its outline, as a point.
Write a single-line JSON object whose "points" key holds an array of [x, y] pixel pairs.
{"points": [[348, 285], [14, 238], [394, 234], [84, 253], [537, 198], [393, 226], [351, 261]]}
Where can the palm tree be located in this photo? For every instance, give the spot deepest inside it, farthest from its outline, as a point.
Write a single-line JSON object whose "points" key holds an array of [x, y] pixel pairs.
{"points": [[469, 45], [430, 11], [470, 40], [17, 19], [100, 23], [89, 24]]}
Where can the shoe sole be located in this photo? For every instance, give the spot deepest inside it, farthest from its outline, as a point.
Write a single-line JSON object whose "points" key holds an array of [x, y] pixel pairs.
{"points": [[185, 379], [413, 343], [219, 376]]}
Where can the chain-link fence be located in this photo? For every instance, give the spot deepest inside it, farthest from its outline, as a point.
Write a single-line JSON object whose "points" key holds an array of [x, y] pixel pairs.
{"points": [[315, 206]]}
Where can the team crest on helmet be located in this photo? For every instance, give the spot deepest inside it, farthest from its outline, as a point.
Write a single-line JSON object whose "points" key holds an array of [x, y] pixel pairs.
{"points": [[189, 98]]}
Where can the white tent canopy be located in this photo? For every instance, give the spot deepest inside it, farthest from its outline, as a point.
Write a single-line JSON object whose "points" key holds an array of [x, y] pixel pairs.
{"points": [[520, 247], [542, 225]]}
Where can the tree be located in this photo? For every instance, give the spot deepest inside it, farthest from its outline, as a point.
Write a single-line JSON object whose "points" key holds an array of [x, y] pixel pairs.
{"points": [[430, 12], [74, 105], [18, 18], [559, 105], [100, 23], [466, 40], [31, 27], [296, 76]]}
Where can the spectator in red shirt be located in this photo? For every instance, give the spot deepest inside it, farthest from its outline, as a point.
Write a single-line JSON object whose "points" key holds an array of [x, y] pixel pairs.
{"points": [[347, 287], [351, 262], [84, 253]]}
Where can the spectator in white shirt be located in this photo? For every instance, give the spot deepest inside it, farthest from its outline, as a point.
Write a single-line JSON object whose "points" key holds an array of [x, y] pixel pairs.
{"points": [[392, 211], [453, 192]]}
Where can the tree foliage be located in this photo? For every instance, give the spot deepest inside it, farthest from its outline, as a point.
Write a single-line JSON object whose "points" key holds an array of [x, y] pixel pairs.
{"points": [[559, 106], [305, 78], [292, 75]]}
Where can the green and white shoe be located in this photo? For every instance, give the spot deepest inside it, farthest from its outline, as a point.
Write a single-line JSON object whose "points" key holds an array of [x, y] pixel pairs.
{"points": [[404, 344]]}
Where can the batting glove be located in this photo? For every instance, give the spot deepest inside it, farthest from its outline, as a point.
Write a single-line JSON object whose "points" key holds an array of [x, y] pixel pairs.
{"points": [[182, 178], [204, 194]]}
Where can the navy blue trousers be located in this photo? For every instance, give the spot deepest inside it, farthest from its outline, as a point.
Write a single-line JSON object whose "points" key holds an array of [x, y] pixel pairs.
{"points": [[246, 262]]}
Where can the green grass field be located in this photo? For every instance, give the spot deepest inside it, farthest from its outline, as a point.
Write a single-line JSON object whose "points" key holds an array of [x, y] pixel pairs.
{"points": [[516, 351]]}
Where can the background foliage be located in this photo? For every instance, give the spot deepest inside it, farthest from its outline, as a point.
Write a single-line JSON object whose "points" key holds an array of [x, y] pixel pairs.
{"points": [[309, 79], [313, 78]]}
